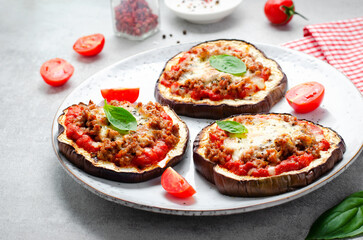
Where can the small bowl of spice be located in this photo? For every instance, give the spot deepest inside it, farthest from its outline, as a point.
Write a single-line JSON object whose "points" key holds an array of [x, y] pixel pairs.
{"points": [[202, 11]]}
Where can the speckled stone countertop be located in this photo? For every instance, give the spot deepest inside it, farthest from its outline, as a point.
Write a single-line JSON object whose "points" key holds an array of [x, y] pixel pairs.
{"points": [[41, 201]]}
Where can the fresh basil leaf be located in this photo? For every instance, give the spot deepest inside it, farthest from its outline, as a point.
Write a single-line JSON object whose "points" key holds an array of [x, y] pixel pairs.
{"points": [[342, 221], [232, 127], [237, 135], [120, 119], [227, 63]]}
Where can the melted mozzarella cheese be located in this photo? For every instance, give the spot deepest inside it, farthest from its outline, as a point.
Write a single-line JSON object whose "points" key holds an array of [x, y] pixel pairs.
{"points": [[261, 135], [104, 132], [139, 118], [202, 70], [199, 69]]}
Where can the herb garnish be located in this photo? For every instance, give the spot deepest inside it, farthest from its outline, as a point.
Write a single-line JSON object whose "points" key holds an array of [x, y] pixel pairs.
{"points": [[227, 63], [342, 221], [120, 119], [235, 128]]}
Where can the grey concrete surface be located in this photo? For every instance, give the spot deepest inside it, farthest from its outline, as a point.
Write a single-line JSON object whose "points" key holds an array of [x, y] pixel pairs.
{"points": [[40, 201]]}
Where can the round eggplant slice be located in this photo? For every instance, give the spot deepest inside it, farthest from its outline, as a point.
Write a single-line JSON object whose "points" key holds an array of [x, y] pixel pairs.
{"points": [[272, 90], [229, 183], [108, 170]]}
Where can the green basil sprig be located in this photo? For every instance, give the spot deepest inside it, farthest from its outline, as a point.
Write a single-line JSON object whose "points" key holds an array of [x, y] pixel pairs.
{"points": [[342, 221], [235, 128], [227, 63], [120, 119]]}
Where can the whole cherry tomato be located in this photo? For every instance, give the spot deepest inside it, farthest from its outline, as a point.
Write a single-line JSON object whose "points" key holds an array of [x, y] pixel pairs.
{"points": [[56, 71], [280, 12]]}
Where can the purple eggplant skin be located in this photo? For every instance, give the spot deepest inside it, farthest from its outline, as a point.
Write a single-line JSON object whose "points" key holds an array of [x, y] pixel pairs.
{"points": [[264, 186], [217, 111]]}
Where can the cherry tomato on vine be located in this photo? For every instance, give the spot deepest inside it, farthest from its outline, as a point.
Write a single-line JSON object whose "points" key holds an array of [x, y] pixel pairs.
{"points": [[89, 45], [121, 94], [56, 71], [305, 97], [175, 184], [280, 12]]}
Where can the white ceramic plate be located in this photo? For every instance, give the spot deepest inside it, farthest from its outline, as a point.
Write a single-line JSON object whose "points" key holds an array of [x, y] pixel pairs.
{"points": [[342, 110], [203, 13]]}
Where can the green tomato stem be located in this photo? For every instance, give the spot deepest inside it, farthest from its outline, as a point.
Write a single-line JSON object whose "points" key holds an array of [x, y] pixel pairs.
{"points": [[289, 11], [301, 15]]}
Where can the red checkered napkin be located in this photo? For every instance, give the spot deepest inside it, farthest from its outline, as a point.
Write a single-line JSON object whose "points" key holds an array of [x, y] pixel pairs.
{"points": [[338, 43]]}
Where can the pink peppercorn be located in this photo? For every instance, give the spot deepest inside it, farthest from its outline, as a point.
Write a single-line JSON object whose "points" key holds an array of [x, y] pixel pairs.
{"points": [[135, 19]]}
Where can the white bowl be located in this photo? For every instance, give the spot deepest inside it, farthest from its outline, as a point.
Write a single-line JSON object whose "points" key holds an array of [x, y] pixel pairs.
{"points": [[201, 15]]}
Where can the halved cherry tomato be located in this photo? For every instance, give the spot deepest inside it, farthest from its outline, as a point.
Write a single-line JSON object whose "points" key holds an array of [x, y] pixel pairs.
{"points": [[280, 11], [89, 45], [305, 97], [175, 184], [56, 71], [121, 94]]}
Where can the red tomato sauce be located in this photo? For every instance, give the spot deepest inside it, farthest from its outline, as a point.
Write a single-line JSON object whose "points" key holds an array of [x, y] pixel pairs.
{"points": [[76, 133], [152, 155]]}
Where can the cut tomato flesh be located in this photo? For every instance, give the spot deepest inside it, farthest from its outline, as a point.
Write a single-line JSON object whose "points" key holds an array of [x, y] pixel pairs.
{"points": [[165, 116], [89, 45], [175, 184], [151, 155], [75, 133], [56, 72], [121, 94], [305, 97], [314, 129], [262, 172], [87, 143], [292, 163], [324, 145]]}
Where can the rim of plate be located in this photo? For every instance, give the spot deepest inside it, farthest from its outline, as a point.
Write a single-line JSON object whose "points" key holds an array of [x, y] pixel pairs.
{"points": [[228, 211]]}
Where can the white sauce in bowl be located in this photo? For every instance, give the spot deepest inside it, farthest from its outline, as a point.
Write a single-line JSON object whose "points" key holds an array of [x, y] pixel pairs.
{"points": [[198, 5]]}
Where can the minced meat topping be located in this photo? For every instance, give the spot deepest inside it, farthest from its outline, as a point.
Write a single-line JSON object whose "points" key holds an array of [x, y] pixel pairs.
{"points": [[274, 144], [156, 134], [194, 77]]}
